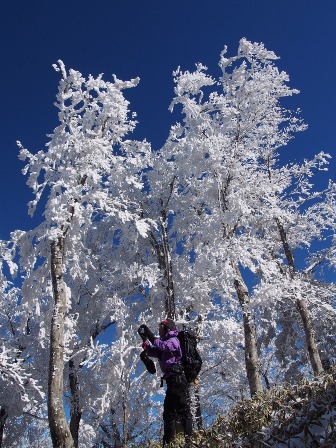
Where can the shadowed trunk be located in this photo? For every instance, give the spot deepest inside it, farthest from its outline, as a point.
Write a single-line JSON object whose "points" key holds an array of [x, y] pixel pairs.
{"points": [[251, 352], [59, 429], [198, 413], [165, 264], [3, 418], [168, 269], [314, 355], [125, 421], [75, 412], [75, 391], [162, 249]]}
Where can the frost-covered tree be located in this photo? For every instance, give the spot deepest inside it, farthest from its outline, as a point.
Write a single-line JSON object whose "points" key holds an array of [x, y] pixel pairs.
{"points": [[21, 395], [299, 219], [170, 209], [161, 207], [228, 146], [126, 407], [220, 144], [88, 170], [187, 285]]}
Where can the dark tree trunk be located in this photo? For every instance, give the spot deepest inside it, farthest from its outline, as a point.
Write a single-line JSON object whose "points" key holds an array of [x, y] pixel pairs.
{"points": [[162, 249], [314, 356], [125, 421], [59, 428], [165, 264], [313, 352], [168, 269], [198, 412], [75, 411], [251, 351], [3, 418], [288, 253]]}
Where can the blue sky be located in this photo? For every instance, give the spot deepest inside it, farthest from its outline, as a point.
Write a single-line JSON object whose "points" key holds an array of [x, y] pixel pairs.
{"points": [[149, 39]]}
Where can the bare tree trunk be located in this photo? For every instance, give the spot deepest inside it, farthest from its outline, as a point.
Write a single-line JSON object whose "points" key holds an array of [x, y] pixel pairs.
{"points": [[170, 294], [251, 351], [163, 254], [75, 412], [288, 253], [59, 428], [124, 423], [198, 408], [198, 413], [112, 434], [116, 433], [3, 418], [314, 356]]}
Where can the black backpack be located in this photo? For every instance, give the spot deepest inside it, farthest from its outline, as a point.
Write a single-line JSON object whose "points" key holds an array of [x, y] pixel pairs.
{"points": [[191, 360]]}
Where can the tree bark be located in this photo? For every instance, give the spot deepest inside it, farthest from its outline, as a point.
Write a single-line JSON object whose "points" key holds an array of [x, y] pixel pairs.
{"points": [[165, 264], [198, 412], [115, 432], [125, 421], [250, 335], [313, 352], [314, 356], [288, 252], [75, 412], [3, 418], [168, 269], [59, 428], [163, 253]]}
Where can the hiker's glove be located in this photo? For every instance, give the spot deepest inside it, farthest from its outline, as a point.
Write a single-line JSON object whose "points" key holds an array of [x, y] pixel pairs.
{"points": [[145, 333], [150, 366]]}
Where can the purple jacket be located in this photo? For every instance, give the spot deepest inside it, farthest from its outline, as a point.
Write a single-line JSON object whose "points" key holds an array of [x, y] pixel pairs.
{"points": [[167, 350]]}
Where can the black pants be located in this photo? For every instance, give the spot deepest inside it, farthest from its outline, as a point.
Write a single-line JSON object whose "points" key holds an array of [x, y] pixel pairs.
{"points": [[176, 406]]}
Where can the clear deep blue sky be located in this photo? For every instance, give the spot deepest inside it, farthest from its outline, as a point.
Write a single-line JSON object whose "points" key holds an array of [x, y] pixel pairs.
{"points": [[149, 39]]}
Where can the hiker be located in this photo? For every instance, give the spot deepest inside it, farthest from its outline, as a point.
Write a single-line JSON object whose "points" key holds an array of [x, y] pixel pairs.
{"points": [[168, 350]]}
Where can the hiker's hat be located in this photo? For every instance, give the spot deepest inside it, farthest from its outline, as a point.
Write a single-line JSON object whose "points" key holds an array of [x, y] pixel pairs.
{"points": [[169, 323]]}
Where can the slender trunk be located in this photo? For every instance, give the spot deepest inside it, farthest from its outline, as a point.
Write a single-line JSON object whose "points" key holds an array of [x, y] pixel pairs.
{"points": [[198, 413], [3, 418], [314, 356], [198, 409], [250, 335], [170, 295], [75, 412], [115, 431], [251, 351], [124, 424], [165, 264], [59, 428], [288, 252], [162, 249]]}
